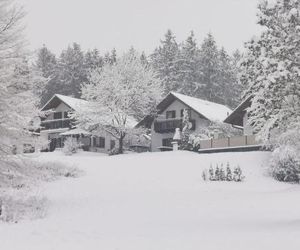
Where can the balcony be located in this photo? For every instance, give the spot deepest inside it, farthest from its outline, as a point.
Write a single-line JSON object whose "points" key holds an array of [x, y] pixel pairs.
{"points": [[56, 124], [169, 125]]}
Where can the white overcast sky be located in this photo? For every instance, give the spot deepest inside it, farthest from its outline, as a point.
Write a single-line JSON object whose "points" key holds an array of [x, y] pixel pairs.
{"points": [[106, 24]]}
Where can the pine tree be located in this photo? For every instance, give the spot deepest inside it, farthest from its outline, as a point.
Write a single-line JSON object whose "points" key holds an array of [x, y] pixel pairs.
{"points": [[187, 65], [72, 72], [93, 60], [271, 70], [163, 61], [228, 89], [47, 63], [110, 58], [209, 68]]}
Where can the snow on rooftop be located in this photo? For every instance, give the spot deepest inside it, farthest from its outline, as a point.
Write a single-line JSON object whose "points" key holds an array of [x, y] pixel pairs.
{"points": [[71, 101], [74, 103], [212, 111]]}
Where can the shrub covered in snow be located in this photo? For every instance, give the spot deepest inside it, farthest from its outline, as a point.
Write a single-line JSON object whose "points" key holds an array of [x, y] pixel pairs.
{"points": [[285, 164], [220, 174], [71, 146], [18, 180]]}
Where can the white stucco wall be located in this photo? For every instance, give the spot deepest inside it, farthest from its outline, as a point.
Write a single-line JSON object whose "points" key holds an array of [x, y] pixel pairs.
{"points": [[247, 128]]}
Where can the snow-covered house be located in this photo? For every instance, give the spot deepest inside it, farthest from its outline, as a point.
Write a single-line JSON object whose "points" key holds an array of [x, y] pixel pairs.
{"points": [[170, 114], [239, 117], [57, 125]]}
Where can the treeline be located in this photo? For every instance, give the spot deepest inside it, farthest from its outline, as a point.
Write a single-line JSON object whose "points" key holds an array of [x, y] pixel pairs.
{"points": [[204, 71]]}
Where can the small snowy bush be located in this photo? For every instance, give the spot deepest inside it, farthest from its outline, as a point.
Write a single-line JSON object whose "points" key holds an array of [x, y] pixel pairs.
{"points": [[71, 146], [219, 174], [285, 164]]}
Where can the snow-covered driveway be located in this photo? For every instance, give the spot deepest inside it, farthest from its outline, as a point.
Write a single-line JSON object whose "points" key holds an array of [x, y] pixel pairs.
{"points": [[158, 201]]}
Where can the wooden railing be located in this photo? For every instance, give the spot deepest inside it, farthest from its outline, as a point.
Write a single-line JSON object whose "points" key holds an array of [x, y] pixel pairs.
{"points": [[169, 125], [237, 141], [56, 124]]}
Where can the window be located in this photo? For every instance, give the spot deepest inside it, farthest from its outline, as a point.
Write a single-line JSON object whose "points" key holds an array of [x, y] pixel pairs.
{"points": [[188, 110], [112, 144], [167, 142], [66, 114], [57, 115], [101, 142], [170, 114]]}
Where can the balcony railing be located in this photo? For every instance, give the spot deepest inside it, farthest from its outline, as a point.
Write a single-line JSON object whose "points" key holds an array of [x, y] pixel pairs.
{"points": [[169, 125], [56, 124]]}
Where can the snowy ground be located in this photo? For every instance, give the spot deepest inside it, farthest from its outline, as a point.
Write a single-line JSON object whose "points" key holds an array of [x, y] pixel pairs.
{"points": [[158, 201]]}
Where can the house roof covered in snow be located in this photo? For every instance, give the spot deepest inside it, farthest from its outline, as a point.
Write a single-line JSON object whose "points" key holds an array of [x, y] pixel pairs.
{"points": [[210, 110], [206, 109], [237, 115], [75, 103], [72, 102]]}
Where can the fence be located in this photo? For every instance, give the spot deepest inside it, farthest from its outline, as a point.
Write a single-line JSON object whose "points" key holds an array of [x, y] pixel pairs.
{"points": [[237, 141]]}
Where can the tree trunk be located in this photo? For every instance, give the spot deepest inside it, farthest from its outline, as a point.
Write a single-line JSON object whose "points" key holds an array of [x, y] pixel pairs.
{"points": [[121, 139]]}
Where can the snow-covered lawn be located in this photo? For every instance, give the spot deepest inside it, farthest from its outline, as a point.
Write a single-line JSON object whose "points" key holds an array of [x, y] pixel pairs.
{"points": [[158, 201]]}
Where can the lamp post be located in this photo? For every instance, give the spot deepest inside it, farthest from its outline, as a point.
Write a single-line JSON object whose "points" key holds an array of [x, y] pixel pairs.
{"points": [[176, 139]]}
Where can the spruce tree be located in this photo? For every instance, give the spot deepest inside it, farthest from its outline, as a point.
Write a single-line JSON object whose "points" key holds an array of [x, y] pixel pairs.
{"points": [[163, 61], [271, 70], [93, 60], [188, 67], [72, 71], [209, 68], [47, 63]]}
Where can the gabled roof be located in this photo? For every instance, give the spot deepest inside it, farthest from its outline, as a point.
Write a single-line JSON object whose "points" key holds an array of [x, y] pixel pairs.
{"points": [[237, 115], [72, 102], [210, 110], [206, 109]]}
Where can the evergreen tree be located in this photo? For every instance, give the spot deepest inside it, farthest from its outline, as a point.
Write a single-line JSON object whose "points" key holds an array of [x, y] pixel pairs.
{"points": [[163, 61], [47, 64], [110, 58], [271, 70], [228, 89], [188, 67], [144, 59], [92, 59], [72, 71], [209, 68]]}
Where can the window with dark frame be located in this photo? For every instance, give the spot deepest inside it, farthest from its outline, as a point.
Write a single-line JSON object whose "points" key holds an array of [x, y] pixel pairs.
{"points": [[188, 110], [57, 115], [170, 114], [101, 142], [167, 142]]}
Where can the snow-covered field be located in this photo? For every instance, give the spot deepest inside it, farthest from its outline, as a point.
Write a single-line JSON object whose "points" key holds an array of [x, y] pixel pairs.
{"points": [[158, 201]]}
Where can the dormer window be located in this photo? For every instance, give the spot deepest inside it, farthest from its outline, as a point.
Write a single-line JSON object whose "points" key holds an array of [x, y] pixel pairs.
{"points": [[170, 114]]}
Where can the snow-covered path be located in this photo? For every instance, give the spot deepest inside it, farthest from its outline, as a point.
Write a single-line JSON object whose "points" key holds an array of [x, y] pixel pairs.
{"points": [[158, 201]]}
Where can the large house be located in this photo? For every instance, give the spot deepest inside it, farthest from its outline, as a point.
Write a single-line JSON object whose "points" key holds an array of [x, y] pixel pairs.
{"points": [[170, 114], [57, 126]]}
